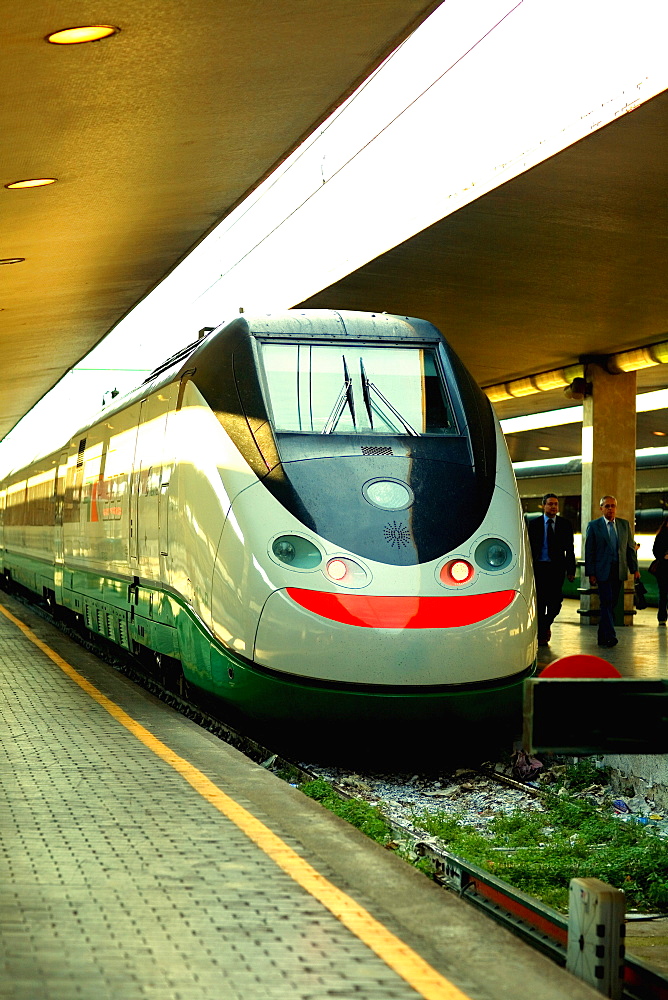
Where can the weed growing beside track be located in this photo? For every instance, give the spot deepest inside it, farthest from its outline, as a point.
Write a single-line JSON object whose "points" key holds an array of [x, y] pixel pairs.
{"points": [[539, 852], [365, 817]]}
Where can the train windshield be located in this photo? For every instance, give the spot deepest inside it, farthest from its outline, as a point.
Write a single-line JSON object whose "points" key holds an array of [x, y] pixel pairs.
{"points": [[343, 389]]}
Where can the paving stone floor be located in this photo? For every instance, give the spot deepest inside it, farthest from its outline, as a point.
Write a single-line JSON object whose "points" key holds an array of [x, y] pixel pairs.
{"points": [[118, 881]]}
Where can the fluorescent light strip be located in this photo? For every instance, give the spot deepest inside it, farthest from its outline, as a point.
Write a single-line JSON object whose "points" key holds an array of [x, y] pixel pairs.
{"points": [[652, 401], [534, 421], [646, 402], [545, 463], [548, 463]]}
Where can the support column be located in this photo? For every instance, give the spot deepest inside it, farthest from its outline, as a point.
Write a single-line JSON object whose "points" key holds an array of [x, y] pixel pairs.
{"points": [[608, 463]]}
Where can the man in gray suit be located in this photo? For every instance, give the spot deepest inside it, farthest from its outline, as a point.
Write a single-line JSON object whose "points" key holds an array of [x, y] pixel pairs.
{"points": [[610, 554]]}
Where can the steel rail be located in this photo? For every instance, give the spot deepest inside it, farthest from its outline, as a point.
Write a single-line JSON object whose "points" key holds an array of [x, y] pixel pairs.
{"points": [[539, 925]]}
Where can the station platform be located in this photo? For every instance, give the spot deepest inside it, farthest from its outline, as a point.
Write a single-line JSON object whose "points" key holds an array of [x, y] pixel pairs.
{"points": [[143, 858], [642, 650]]}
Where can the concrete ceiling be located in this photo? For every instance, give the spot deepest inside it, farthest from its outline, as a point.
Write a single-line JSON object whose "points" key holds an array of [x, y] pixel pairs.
{"points": [[154, 135], [570, 258]]}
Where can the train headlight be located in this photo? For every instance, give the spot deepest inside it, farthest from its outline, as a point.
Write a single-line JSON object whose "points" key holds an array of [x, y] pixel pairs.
{"points": [[346, 572], [296, 552], [493, 554], [388, 494], [457, 571]]}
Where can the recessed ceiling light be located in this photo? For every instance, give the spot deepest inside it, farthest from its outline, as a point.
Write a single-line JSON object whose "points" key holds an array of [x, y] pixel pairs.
{"points": [[659, 434], [85, 33], [543, 447], [12, 260], [33, 182]]}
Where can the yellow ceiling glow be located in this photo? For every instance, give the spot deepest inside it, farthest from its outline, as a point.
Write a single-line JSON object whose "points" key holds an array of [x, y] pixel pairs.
{"points": [[522, 387], [84, 33], [32, 182], [497, 393]]}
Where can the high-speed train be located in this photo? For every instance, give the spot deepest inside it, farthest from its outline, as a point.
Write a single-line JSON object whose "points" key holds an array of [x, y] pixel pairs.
{"points": [[310, 515]]}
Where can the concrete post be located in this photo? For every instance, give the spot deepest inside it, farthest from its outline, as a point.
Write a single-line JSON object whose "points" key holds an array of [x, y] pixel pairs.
{"points": [[608, 463], [595, 953]]}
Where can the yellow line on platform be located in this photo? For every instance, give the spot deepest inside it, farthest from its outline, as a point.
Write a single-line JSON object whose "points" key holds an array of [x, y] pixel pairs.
{"points": [[392, 950]]}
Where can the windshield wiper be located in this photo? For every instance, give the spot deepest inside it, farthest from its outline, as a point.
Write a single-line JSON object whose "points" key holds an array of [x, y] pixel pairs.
{"points": [[369, 387], [365, 393], [344, 398]]}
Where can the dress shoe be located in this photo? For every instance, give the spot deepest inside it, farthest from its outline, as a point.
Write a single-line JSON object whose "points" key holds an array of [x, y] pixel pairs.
{"points": [[662, 623], [609, 643]]}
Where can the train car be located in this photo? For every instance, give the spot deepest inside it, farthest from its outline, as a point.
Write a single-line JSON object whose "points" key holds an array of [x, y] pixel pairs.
{"points": [[310, 516]]}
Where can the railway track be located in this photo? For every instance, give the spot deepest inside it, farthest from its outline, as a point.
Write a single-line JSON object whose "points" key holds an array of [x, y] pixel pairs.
{"points": [[540, 926]]}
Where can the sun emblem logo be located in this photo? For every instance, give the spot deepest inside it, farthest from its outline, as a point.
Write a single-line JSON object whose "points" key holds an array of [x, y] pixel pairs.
{"points": [[397, 535]]}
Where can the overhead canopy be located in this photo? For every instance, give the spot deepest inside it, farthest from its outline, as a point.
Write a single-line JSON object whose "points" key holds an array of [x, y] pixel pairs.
{"points": [[153, 134], [568, 259]]}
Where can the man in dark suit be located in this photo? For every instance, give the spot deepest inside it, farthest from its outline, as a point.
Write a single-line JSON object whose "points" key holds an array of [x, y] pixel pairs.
{"points": [[551, 539], [610, 554]]}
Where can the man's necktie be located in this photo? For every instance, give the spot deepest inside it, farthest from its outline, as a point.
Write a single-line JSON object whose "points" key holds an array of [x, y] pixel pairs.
{"points": [[612, 531], [551, 541]]}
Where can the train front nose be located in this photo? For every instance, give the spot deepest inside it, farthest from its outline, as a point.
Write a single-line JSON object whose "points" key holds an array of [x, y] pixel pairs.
{"points": [[411, 641]]}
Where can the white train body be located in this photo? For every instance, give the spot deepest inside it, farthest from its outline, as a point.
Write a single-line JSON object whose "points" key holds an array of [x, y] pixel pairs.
{"points": [[313, 513]]}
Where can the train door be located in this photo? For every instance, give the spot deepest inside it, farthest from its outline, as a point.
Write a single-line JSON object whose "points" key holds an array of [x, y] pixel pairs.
{"points": [[147, 504], [2, 530], [135, 477], [58, 518], [170, 393]]}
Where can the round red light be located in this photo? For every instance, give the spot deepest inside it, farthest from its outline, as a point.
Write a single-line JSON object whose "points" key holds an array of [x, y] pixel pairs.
{"points": [[460, 571], [337, 569], [456, 571]]}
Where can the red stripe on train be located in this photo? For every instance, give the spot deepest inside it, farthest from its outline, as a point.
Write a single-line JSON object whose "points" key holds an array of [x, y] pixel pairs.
{"points": [[368, 611]]}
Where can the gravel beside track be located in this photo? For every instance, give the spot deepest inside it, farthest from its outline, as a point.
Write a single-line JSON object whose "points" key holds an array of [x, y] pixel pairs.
{"points": [[471, 796]]}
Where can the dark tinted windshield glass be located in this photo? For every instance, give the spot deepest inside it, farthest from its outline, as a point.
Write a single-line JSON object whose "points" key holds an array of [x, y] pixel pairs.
{"points": [[342, 389]]}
